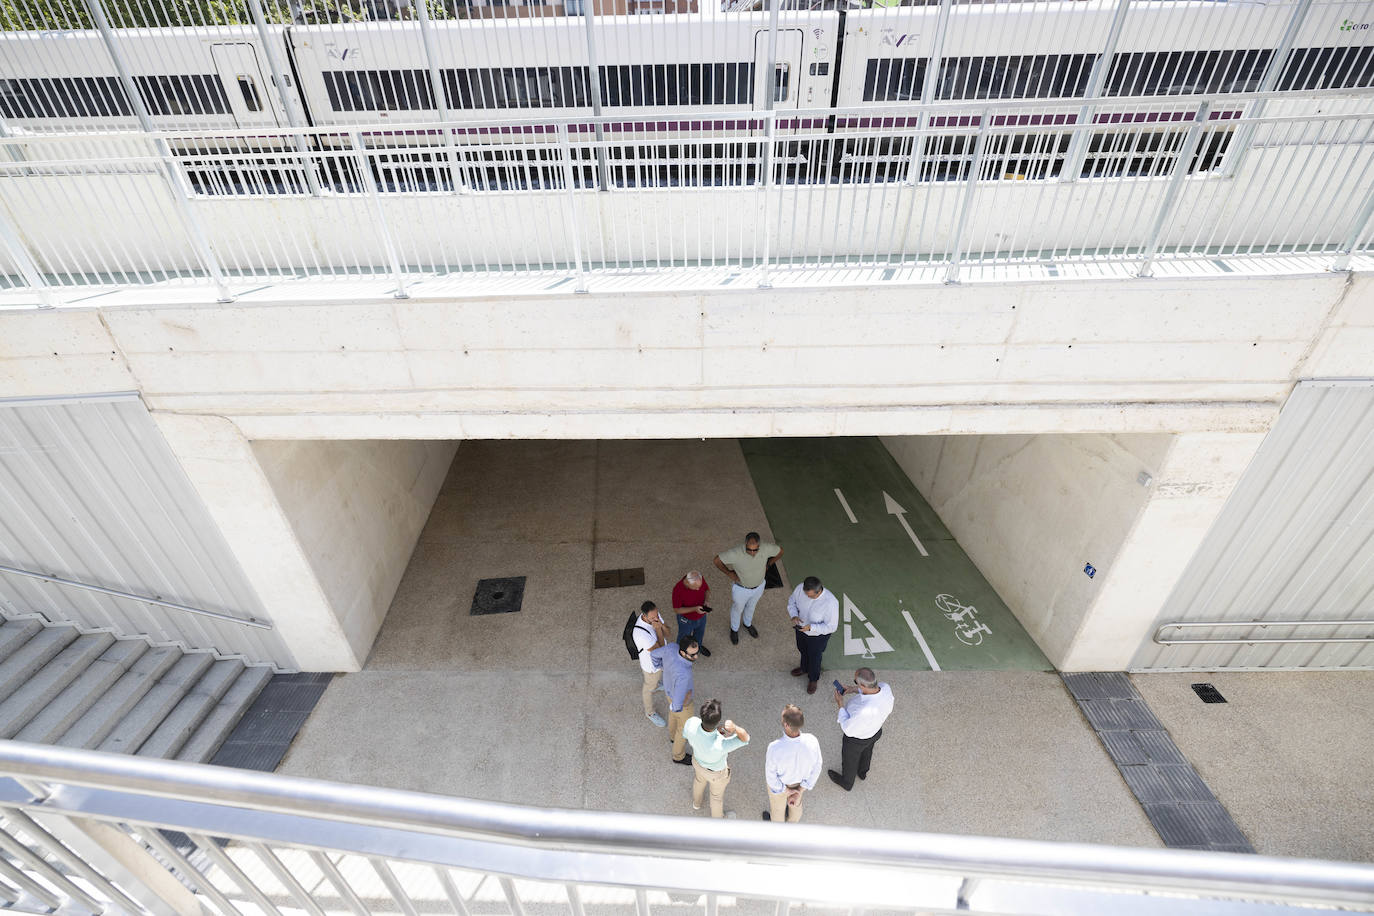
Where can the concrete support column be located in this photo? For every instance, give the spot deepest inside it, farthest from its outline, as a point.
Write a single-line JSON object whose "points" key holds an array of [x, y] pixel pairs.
{"points": [[223, 467], [1197, 475]]}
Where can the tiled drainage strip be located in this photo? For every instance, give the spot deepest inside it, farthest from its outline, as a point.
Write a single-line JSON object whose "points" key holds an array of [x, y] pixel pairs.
{"points": [[1176, 800]]}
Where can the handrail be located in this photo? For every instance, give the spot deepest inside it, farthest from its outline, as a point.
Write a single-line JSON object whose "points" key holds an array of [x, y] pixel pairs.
{"points": [[1262, 624], [559, 844], [146, 599]]}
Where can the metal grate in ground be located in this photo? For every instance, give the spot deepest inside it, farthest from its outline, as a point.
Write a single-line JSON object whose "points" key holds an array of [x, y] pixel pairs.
{"points": [[261, 738], [1176, 800]]}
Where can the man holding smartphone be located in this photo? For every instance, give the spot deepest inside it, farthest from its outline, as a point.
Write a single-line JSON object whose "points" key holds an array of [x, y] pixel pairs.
{"points": [[815, 615], [861, 718], [689, 600]]}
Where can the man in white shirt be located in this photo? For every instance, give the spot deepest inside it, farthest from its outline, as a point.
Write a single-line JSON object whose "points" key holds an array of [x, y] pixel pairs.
{"points": [[792, 766], [861, 719], [650, 632], [815, 615]]}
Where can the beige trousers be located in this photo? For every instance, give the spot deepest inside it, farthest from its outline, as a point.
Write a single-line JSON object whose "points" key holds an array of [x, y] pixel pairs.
{"points": [[675, 722], [717, 780], [651, 679], [779, 811]]}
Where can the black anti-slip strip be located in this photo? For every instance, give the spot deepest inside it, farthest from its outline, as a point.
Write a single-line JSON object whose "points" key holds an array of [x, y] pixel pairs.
{"points": [[1176, 800]]}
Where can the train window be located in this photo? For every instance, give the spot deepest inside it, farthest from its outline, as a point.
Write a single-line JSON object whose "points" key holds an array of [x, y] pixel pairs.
{"points": [[249, 88], [894, 79], [780, 87], [1030, 76], [678, 84], [1186, 72], [1328, 68], [183, 94], [378, 90], [71, 97], [517, 87]]}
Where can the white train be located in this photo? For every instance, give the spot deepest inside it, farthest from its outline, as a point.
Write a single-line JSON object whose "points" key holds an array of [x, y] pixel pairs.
{"points": [[684, 92]]}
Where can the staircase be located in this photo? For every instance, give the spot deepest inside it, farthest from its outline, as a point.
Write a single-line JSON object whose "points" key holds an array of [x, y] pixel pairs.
{"points": [[59, 686]]}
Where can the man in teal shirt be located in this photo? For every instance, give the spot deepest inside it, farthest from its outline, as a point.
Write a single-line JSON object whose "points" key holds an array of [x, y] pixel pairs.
{"points": [[712, 741]]}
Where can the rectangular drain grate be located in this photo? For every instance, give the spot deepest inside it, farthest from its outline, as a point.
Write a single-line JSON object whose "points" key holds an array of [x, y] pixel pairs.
{"points": [[618, 578], [1208, 693], [498, 596]]}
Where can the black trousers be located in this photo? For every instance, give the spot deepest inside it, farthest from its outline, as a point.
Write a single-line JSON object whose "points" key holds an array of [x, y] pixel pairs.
{"points": [[810, 649], [856, 754]]}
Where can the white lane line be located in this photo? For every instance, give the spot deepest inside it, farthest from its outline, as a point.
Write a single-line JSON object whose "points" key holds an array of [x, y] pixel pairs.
{"points": [[934, 665], [847, 511]]}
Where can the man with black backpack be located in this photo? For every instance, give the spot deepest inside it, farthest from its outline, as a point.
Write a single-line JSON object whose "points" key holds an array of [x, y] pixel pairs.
{"points": [[645, 632]]}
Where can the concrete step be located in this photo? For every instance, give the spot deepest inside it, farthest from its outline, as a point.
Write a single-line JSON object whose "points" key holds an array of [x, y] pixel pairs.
{"points": [[96, 723], [49, 681], [83, 693], [148, 713], [41, 648], [206, 739], [14, 633], [187, 715]]}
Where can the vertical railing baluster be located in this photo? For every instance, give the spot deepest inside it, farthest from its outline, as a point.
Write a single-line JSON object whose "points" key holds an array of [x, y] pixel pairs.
{"points": [[393, 886], [512, 897], [928, 89], [975, 167], [374, 198], [288, 101], [71, 858], [766, 189], [455, 899], [594, 88], [574, 900], [335, 877], [181, 194], [570, 207], [1358, 230], [212, 851], [40, 866], [1097, 81], [24, 260], [641, 895], [1176, 179], [283, 874], [1245, 134], [440, 91]]}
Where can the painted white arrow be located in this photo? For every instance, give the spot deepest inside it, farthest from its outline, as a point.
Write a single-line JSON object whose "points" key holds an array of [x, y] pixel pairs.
{"points": [[861, 645], [894, 509]]}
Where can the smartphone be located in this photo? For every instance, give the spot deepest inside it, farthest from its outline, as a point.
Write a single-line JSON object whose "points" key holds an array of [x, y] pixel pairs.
{"points": [[838, 687]]}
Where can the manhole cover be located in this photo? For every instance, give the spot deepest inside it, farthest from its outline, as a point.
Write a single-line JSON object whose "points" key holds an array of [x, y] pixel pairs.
{"points": [[498, 596], [1208, 693]]}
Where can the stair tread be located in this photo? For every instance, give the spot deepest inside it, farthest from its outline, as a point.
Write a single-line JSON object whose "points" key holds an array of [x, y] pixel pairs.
{"points": [[48, 682], [98, 721], [153, 707], [210, 734], [181, 721], [83, 692], [16, 670], [14, 633]]}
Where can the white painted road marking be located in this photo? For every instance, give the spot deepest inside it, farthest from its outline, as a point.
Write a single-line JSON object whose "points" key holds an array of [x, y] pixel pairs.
{"points": [[847, 511], [934, 665], [860, 645], [894, 509]]}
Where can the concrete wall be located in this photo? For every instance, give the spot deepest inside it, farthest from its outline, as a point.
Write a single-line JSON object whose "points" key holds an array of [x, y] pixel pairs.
{"points": [[357, 509], [1031, 511]]}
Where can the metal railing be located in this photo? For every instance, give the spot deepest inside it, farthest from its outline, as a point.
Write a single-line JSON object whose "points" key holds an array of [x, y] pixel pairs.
{"points": [[1261, 625], [91, 832], [145, 599]]}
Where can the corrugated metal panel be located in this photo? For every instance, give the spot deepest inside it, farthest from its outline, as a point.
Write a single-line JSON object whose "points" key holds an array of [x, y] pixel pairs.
{"points": [[1293, 542], [90, 491]]}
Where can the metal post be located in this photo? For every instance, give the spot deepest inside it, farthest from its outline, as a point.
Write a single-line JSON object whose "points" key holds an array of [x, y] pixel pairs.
{"points": [[288, 101], [975, 167], [180, 192], [436, 85], [1357, 231], [1072, 168], [1245, 133], [565, 153], [773, 53], [375, 199], [766, 220], [932, 76], [28, 267], [1166, 206], [603, 174]]}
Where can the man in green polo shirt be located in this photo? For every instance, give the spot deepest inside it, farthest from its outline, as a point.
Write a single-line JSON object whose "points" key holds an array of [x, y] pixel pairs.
{"points": [[712, 740], [746, 565]]}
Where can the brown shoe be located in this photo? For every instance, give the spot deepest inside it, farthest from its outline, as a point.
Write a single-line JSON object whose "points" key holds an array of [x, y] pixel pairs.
{"points": [[798, 671], [810, 686]]}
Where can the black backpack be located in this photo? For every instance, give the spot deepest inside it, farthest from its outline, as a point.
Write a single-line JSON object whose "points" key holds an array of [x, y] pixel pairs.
{"points": [[630, 635]]}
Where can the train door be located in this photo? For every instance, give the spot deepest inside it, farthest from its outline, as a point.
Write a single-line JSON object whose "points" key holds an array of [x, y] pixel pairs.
{"points": [[788, 66], [252, 97]]}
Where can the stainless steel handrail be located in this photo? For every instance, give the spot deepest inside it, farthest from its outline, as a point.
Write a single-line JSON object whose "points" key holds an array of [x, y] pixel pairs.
{"points": [[293, 810], [1262, 624], [146, 599]]}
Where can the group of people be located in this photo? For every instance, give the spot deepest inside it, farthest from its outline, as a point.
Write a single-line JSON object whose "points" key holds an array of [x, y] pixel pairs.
{"points": [[793, 762]]}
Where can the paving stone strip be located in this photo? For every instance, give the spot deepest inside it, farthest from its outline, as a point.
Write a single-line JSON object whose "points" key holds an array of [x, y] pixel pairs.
{"points": [[1176, 800]]}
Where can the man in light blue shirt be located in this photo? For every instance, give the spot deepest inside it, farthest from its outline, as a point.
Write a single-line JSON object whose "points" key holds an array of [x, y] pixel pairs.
{"points": [[677, 660], [712, 741], [815, 615]]}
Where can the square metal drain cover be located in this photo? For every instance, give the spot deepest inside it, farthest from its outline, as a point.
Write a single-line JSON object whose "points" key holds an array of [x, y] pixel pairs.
{"points": [[1208, 693], [618, 578], [498, 596]]}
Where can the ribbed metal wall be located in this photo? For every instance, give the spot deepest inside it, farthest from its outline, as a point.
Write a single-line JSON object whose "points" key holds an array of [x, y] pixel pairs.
{"points": [[1293, 542], [90, 491]]}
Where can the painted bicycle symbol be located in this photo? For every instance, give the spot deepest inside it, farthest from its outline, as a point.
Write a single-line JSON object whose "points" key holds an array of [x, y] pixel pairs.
{"points": [[967, 627]]}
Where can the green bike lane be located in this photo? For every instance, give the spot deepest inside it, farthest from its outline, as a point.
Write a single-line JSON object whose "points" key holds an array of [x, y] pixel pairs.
{"points": [[843, 510]]}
